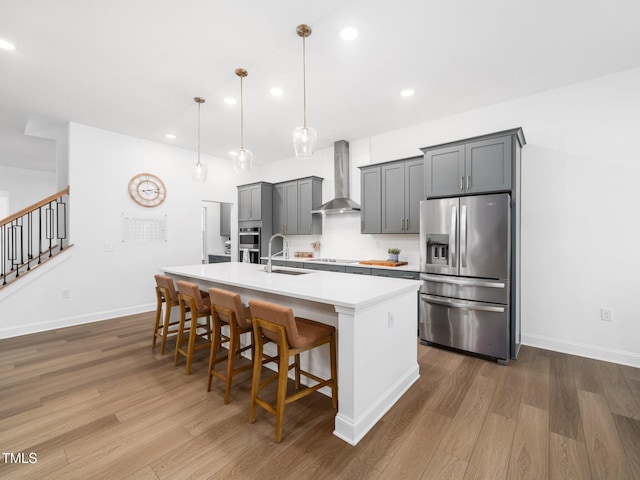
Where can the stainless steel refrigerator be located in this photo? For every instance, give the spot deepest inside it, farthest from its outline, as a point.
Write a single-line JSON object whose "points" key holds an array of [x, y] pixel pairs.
{"points": [[465, 257]]}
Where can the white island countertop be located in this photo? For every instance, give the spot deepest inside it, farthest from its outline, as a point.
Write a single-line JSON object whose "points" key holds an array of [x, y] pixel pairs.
{"points": [[317, 286], [376, 321]]}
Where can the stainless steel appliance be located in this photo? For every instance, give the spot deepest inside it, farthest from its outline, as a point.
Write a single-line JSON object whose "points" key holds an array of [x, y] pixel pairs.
{"points": [[249, 244], [465, 260]]}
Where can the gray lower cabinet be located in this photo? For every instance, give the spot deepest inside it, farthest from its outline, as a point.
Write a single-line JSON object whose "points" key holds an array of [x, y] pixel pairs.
{"points": [[219, 258], [391, 195], [478, 165], [383, 272], [328, 267], [292, 205], [358, 270], [274, 263], [325, 267]]}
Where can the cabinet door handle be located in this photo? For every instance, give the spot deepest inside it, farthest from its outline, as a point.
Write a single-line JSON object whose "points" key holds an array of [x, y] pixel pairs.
{"points": [[406, 228], [461, 180], [468, 181]]}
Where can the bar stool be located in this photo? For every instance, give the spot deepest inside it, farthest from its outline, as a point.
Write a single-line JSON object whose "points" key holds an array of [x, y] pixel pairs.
{"points": [[191, 298], [227, 309], [292, 335], [166, 296]]}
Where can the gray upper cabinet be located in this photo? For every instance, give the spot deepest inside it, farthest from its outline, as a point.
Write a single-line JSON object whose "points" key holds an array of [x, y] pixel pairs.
{"points": [[292, 205], [225, 219], [309, 198], [479, 165], [413, 193], [371, 200], [252, 199], [488, 165], [444, 171], [392, 203], [391, 195]]}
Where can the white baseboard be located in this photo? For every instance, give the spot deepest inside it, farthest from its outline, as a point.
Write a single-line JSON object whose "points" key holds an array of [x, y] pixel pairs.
{"points": [[631, 359], [352, 430], [18, 330]]}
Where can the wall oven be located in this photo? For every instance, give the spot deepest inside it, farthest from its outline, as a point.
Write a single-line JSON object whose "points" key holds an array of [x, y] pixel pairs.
{"points": [[249, 244]]}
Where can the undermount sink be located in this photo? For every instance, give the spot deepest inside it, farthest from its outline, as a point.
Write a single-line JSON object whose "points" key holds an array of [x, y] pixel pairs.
{"points": [[290, 272], [287, 272]]}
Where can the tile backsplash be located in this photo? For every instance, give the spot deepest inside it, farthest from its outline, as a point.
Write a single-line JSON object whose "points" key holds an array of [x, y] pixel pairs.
{"points": [[341, 238]]}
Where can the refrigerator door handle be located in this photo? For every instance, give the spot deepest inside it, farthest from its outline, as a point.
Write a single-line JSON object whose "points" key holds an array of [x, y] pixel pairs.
{"points": [[453, 254], [463, 236], [462, 282], [467, 306]]}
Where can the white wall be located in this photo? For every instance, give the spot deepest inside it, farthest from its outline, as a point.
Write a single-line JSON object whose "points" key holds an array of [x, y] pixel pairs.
{"points": [[26, 187], [102, 283], [579, 244]]}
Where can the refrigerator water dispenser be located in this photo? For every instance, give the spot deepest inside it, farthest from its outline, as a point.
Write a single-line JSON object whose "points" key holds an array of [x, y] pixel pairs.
{"points": [[438, 249]]}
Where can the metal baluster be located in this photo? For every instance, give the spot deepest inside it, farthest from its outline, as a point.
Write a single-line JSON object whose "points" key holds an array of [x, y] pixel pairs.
{"points": [[39, 235], [61, 227], [49, 217], [29, 241], [3, 245]]}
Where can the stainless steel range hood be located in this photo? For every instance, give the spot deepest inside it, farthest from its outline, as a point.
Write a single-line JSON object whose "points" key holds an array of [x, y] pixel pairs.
{"points": [[341, 203]]}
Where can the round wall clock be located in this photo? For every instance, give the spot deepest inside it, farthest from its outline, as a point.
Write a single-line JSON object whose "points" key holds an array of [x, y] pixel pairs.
{"points": [[147, 190]]}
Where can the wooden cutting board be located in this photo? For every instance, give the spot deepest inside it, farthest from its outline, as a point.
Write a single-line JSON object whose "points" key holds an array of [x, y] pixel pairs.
{"points": [[382, 263]]}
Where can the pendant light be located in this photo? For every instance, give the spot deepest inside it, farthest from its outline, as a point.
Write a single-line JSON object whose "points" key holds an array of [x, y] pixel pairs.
{"points": [[199, 170], [304, 137], [241, 157]]}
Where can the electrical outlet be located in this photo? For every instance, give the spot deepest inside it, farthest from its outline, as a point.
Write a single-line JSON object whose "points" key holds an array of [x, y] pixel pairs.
{"points": [[65, 293], [390, 321], [606, 315], [108, 247]]}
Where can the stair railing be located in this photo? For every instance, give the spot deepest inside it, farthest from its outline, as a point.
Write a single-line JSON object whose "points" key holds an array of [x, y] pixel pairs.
{"points": [[33, 235]]}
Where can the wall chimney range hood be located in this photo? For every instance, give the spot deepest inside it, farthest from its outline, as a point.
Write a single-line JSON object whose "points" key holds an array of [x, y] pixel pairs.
{"points": [[341, 203]]}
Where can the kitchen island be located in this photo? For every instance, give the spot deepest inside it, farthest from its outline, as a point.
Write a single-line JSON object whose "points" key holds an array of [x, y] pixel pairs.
{"points": [[376, 321]]}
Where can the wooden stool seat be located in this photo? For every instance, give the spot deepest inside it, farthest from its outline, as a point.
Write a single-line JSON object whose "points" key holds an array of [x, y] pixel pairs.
{"points": [[227, 309], [191, 299], [167, 297], [292, 335]]}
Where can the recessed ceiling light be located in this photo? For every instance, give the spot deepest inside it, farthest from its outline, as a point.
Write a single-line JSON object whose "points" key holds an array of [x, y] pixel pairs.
{"points": [[407, 92], [171, 136], [276, 91], [230, 101], [349, 33], [6, 45]]}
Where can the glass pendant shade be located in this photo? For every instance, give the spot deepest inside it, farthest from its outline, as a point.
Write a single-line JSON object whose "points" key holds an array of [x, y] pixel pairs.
{"points": [[304, 137], [241, 157], [199, 172], [304, 141], [241, 160]]}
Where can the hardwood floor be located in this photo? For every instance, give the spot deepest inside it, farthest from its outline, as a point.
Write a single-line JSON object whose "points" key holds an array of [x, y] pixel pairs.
{"points": [[95, 402]]}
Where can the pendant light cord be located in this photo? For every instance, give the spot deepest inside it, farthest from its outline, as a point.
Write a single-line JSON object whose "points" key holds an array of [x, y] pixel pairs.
{"points": [[241, 117], [304, 80], [199, 104]]}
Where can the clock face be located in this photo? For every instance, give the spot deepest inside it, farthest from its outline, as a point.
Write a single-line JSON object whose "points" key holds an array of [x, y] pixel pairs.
{"points": [[147, 190]]}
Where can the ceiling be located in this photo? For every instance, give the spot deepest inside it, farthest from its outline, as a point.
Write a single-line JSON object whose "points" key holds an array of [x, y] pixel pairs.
{"points": [[134, 66]]}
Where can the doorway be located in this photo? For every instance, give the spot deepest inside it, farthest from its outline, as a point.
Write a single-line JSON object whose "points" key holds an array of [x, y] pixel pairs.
{"points": [[215, 221]]}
